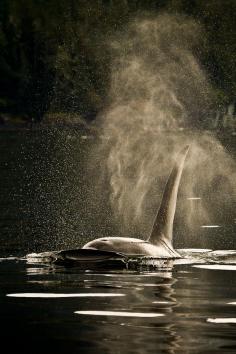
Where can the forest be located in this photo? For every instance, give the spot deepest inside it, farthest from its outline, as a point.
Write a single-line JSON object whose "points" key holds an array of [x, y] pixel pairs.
{"points": [[55, 55]]}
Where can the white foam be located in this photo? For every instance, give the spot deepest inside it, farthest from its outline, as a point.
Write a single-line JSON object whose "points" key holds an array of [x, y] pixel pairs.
{"points": [[119, 314], [223, 252], [215, 266], [185, 261], [54, 295], [194, 250], [221, 320]]}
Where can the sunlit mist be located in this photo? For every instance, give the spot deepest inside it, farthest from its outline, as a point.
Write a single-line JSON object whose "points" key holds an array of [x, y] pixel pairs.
{"points": [[160, 99]]}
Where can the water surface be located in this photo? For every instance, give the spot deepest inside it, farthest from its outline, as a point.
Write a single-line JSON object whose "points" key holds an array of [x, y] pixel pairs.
{"points": [[46, 203], [63, 310]]}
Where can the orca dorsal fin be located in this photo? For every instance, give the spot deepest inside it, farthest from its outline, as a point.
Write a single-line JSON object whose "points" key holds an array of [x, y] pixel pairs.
{"points": [[163, 225]]}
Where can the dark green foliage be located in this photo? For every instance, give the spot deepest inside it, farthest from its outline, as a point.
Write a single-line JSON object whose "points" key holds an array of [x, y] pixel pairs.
{"points": [[219, 20], [54, 55]]}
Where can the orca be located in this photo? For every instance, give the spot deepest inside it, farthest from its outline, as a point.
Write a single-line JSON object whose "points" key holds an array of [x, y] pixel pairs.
{"points": [[109, 250], [159, 243]]}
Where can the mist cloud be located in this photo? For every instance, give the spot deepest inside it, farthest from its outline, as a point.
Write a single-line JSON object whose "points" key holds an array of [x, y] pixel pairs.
{"points": [[160, 99]]}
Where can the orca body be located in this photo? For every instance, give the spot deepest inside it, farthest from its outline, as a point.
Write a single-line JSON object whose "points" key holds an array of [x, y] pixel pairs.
{"points": [[159, 243], [116, 251], [132, 247]]}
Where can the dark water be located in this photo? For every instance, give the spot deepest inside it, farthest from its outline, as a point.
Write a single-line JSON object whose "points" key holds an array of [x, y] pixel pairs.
{"points": [[147, 312], [46, 203]]}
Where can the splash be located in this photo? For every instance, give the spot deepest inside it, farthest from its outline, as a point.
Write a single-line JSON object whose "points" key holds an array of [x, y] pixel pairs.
{"points": [[161, 99]]}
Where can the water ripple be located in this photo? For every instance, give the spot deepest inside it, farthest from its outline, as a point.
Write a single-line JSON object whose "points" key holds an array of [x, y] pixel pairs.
{"points": [[119, 314], [54, 295]]}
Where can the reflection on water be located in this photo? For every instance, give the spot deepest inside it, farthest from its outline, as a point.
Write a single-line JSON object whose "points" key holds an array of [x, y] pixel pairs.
{"points": [[67, 310], [119, 314], [51, 295], [210, 226], [216, 266], [221, 320]]}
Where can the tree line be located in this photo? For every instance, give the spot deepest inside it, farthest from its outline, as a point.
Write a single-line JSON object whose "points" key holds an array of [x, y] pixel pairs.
{"points": [[54, 54]]}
